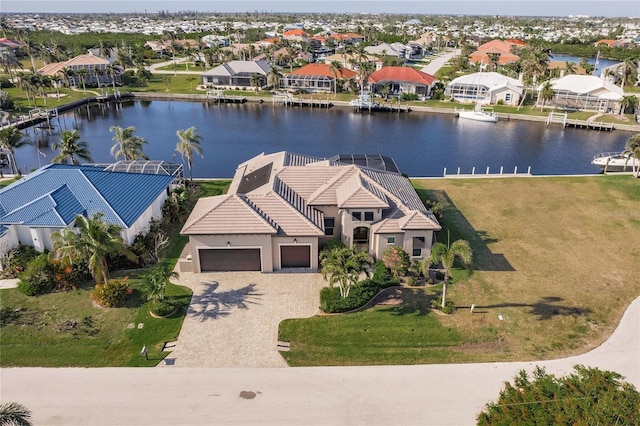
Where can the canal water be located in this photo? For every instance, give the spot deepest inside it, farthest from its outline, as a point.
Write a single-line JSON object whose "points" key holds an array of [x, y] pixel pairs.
{"points": [[422, 144]]}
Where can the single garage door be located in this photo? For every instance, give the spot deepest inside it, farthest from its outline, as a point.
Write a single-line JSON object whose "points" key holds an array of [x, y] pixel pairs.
{"points": [[297, 256], [229, 260]]}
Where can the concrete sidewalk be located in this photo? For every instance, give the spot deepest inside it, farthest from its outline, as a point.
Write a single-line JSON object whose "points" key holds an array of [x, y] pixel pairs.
{"points": [[449, 394]]}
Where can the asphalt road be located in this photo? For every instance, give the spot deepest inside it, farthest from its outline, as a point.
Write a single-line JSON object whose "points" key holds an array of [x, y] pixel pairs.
{"points": [[408, 395]]}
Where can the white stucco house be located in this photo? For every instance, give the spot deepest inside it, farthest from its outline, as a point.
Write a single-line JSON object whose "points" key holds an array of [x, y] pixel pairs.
{"points": [[584, 92], [485, 88]]}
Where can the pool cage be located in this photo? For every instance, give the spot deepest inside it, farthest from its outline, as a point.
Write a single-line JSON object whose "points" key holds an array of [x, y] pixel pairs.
{"points": [[147, 166]]}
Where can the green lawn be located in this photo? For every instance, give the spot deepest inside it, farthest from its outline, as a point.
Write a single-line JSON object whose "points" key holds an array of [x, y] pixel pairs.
{"points": [[555, 266], [66, 330]]}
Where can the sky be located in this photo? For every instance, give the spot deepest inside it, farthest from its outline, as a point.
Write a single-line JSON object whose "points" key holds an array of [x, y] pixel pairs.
{"points": [[446, 7]]}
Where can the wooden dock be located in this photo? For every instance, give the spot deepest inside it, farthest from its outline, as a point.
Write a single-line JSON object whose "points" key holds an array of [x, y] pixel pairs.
{"points": [[219, 97], [383, 108], [287, 99], [555, 117]]}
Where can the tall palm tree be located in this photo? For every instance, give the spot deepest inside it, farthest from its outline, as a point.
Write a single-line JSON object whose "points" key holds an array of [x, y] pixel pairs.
{"points": [[127, 145], [546, 94], [95, 241], [336, 68], [632, 148], [629, 71], [82, 74], [11, 139], [112, 71], [365, 69], [343, 266], [97, 73], [256, 81], [274, 76], [14, 414], [189, 142], [446, 254], [71, 148]]}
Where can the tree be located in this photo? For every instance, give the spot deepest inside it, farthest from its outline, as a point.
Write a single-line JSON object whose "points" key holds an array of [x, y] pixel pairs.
{"points": [[95, 241], [336, 68], [14, 414], [82, 74], [397, 260], [343, 266], [127, 144], [155, 282], [632, 150], [11, 139], [71, 148], [446, 254], [628, 102], [112, 70], [189, 142], [602, 397], [546, 94]]}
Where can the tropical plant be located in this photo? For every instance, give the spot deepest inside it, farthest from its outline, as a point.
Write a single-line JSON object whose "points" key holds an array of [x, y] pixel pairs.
{"points": [[628, 102], [446, 254], [397, 260], [600, 396], [336, 68], [189, 143], [343, 266], [546, 94], [155, 282], [71, 148], [127, 144], [95, 241], [112, 293], [11, 139], [82, 74], [14, 414], [632, 150]]}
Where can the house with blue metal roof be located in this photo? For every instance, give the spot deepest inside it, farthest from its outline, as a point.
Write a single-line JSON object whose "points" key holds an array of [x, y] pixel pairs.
{"points": [[49, 199]]}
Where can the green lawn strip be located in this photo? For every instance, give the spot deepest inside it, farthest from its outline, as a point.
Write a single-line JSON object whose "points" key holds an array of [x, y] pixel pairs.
{"points": [[408, 334]]}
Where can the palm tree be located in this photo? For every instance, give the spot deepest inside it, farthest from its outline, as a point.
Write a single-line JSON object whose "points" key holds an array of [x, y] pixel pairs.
{"points": [[343, 266], [256, 80], [82, 75], [628, 102], [189, 142], [629, 71], [71, 148], [365, 69], [546, 93], [97, 73], [95, 241], [11, 139], [335, 67], [14, 414], [127, 145], [274, 76], [112, 70], [446, 254], [155, 282], [632, 149]]}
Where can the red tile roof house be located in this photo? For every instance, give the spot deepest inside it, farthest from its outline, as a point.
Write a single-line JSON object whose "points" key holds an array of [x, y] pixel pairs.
{"points": [[402, 80], [315, 78], [281, 207], [500, 48]]}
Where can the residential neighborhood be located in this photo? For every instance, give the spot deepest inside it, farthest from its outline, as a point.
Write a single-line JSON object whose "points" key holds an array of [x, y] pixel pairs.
{"points": [[388, 218]]}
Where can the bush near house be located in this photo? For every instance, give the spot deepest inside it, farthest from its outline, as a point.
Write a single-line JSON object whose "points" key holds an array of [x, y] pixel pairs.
{"points": [[113, 293]]}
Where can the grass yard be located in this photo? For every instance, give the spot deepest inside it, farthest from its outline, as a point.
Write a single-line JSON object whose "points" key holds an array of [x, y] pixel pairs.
{"points": [[556, 258]]}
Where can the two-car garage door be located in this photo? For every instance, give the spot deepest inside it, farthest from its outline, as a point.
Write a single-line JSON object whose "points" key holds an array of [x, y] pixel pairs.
{"points": [[232, 259]]}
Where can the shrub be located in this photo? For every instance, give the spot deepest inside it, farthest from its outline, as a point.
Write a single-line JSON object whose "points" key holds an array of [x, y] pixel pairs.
{"points": [[397, 260], [38, 277], [112, 294], [331, 244], [360, 295], [16, 260], [162, 308], [381, 273], [449, 306]]}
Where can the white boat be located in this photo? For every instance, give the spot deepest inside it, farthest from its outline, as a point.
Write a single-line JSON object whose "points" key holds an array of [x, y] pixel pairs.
{"points": [[479, 114], [616, 161], [364, 101]]}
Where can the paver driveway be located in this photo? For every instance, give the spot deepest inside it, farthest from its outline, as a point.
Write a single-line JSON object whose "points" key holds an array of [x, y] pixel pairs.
{"points": [[234, 316]]}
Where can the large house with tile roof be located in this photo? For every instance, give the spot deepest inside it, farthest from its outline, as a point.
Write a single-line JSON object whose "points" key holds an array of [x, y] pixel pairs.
{"points": [[90, 63], [237, 74], [496, 51], [402, 80], [281, 207], [315, 78], [49, 199]]}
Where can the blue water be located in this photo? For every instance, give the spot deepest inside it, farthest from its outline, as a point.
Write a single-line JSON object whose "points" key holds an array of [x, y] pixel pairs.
{"points": [[422, 144], [602, 63]]}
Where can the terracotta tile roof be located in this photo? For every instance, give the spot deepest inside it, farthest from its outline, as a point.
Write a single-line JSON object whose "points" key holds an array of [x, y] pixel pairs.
{"points": [[226, 214], [407, 74], [323, 70], [295, 33]]}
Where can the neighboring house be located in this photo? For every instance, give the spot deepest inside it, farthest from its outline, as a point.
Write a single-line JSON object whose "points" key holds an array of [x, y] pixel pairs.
{"points": [[495, 51], [281, 207], [402, 80], [314, 78], [584, 92], [215, 40], [296, 35], [237, 74], [386, 49], [485, 88], [49, 199], [88, 62]]}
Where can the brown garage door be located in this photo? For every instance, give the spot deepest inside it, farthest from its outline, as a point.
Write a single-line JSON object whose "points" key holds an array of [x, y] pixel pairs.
{"points": [[295, 256], [229, 260]]}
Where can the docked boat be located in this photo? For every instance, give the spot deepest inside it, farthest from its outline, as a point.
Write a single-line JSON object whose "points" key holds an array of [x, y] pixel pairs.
{"points": [[364, 101], [479, 114], [616, 161]]}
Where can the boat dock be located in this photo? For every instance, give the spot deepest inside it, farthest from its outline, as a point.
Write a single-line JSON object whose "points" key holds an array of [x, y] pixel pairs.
{"points": [[287, 99], [382, 108], [561, 118], [219, 97]]}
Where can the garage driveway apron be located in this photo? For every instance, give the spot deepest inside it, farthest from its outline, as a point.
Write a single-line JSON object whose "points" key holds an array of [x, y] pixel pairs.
{"points": [[233, 317]]}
